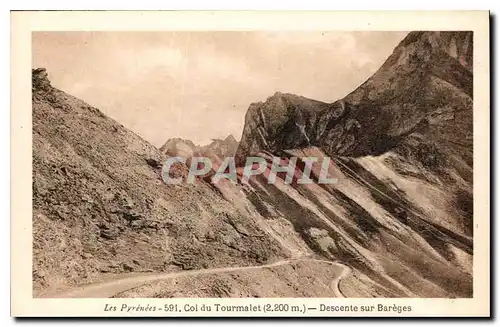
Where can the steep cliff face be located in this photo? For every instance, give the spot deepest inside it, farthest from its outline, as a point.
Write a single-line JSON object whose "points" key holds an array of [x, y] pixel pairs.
{"points": [[424, 87], [401, 144], [283, 121]]}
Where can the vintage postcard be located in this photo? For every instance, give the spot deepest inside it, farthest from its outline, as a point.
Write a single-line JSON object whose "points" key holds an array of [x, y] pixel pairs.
{"points": [[251, 164]]}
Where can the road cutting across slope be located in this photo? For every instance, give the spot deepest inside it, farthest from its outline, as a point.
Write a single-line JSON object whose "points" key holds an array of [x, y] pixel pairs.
{"points": [[110, 288]]}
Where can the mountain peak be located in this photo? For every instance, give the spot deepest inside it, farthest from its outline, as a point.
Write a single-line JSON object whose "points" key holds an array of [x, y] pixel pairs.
{"points": [[457, 45], [230, 138], [39, 79], [428, 75]]}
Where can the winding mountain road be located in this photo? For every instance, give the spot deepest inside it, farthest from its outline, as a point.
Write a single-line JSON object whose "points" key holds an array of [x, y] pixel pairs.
{"points": [[110, 288]]}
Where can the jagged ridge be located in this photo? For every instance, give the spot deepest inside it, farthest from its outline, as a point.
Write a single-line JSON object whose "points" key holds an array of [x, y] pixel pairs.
{"points": [[400, 216]]}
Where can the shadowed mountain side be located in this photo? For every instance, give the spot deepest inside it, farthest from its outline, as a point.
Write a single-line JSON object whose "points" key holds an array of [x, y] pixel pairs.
{"points": [[403, 232], [425, 86]]}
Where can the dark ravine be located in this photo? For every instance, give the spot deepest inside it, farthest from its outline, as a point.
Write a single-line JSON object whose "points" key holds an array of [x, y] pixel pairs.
{"points": [[400, 215]]}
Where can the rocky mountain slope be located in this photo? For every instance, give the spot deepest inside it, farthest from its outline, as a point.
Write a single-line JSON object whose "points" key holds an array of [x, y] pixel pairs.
{"points": [[398, 220], [402, 149], [186, 148], [424, 87], [100, 207]]}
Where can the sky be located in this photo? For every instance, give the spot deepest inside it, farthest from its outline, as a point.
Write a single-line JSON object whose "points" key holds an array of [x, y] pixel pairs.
{"points": [[199, 85]]}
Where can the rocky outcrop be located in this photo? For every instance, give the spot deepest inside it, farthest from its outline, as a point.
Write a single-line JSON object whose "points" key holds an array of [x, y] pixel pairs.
{"points": [[283, 121], [221, 148], [186, 148], [178, 147], [216, 151], [425, 87], [39, 80]]}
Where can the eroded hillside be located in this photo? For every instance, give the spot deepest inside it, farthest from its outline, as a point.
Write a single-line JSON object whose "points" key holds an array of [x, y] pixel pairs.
{"points": [[100, 207], [397, 223]]}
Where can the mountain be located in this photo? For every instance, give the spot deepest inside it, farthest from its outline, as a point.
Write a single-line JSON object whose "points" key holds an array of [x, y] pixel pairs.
{"points": [[222, 148], [178, 147], [397, 223], [401, 144], [425, 87], [186, 148], [101, 209]]}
